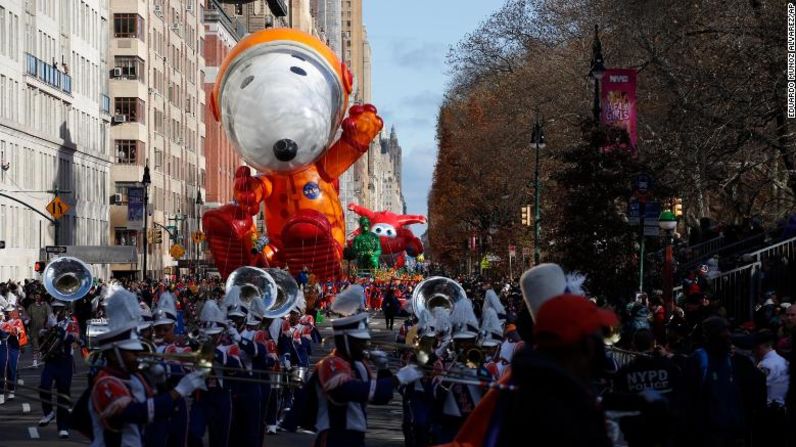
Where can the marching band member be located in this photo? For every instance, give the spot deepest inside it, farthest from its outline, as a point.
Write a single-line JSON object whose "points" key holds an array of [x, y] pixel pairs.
{"points": [[491, 337], [267, 363], [247, 396], [145, 326], [271, 400], [58, 366], [122, 402], [458, 400], [569, 348], [343, 380], [211, 411], [173, 430], [12, 337]]}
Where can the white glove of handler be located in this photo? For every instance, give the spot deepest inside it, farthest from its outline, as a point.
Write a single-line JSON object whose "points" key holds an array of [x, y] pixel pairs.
{"points": [[379, 359], [233, 332], [191, 382], [408, 374]]}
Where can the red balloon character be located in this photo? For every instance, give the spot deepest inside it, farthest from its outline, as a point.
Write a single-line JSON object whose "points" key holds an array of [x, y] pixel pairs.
{"points": [[393, 231]]}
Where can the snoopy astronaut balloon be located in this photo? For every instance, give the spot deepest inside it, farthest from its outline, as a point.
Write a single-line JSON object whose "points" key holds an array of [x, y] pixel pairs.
{"points": [[281, 96]]}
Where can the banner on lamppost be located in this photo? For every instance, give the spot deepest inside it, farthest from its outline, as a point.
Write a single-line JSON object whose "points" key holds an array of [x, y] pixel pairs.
{"points": [[618, 108], [135, 208]]}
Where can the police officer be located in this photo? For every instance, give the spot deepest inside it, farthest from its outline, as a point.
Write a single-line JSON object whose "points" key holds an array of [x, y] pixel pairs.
{"points": [[650, 373], [58, 366]]}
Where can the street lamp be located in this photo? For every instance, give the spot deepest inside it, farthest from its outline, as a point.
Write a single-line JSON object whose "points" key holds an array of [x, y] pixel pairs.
{"points": [[668, 222], [538, 141], [146, 181], [596, 72], [199, 202]]}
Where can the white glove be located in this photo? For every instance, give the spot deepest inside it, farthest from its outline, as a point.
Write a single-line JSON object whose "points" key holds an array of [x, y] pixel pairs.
{"points": [[408, 374], [286, 361], [379, 359], [191, 382], [248, 335], [442, 348], [233, 332]]}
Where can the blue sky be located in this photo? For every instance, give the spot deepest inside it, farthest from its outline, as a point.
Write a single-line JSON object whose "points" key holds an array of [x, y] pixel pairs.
{"points": [[409, 40]]}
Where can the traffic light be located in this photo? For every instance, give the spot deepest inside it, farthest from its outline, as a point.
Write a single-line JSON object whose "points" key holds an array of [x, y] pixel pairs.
{"points": [[157, 237], [38, 267], [677, 207], [526, 215]]}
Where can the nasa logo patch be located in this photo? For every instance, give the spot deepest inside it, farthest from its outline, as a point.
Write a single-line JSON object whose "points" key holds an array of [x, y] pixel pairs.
{"points": [[312, 191]]}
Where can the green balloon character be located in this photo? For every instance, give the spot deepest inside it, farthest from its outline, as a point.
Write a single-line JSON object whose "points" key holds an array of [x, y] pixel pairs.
{"points": [[367, 246]]}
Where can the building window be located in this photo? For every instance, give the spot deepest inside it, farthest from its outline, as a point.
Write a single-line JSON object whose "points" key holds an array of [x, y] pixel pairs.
{"points": [[128, 25], [127, 151], [133, 109], [132, 67], [123, 236]]}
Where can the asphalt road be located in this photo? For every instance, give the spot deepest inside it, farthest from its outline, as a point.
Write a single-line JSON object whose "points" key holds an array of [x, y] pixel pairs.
{"points": [[19, 417]]}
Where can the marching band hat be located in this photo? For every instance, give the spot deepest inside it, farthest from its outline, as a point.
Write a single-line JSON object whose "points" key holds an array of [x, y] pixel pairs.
{"points": [[57, 303], [166, 310], [212, 318], [124, 314], [541, 283], [350, 303]]}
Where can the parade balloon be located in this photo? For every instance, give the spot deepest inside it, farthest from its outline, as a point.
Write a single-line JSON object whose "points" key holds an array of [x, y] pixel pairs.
{"points": [[281, 95], [397, 240]]}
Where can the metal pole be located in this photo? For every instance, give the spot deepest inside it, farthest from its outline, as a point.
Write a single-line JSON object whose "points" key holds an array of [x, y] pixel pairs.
{"points": [[668, 280], [146, 229], [537, 230], [641, 264]]}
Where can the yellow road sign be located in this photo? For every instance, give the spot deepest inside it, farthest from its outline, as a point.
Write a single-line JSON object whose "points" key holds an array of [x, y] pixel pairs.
{"points": [[198, 237], [177, 251], [57, 208]]}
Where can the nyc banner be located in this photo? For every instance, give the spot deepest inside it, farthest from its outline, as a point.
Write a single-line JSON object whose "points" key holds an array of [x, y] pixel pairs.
{"points": [[618, 109], [135, 208]]}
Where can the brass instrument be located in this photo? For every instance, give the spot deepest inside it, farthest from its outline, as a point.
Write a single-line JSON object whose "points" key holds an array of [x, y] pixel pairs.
{"points": [[67, 279], [254, 283], [436, 291], [286, 296], [95, 328]]}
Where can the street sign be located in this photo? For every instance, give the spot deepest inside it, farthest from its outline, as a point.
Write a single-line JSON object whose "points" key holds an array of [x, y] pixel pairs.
{"points": [[198, 237], [652, 211], [55, 249], [526, 251], [57, 208], [177, 251], [634, 211], [513, 251], [643, 182]]}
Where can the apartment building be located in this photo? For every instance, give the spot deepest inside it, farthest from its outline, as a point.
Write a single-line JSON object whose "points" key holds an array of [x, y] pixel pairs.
{"points": [[54, 120]]}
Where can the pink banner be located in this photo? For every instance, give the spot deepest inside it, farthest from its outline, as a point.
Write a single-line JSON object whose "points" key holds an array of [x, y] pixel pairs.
{"points": [[618, 108]]}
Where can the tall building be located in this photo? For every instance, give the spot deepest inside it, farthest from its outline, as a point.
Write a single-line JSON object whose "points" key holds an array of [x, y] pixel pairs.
{"points": [[222, 33], [387, 176], [158, 107], [53, 127], [261, 14], [328, 18]]}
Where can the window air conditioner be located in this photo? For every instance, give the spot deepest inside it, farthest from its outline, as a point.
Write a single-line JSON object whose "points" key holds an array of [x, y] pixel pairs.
{"points": [[189, 7], [119, 118], [116, 199], [116, 72]]}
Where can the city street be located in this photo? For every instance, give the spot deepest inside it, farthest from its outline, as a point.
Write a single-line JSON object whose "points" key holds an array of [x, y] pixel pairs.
{"points": [[19, 417]]}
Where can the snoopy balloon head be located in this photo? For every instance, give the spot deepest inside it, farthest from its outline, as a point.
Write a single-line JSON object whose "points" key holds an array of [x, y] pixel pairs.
{"points": [[281, 99]]}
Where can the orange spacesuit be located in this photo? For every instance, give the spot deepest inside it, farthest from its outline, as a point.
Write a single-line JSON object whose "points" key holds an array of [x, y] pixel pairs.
{"points": [[281, 96]]}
